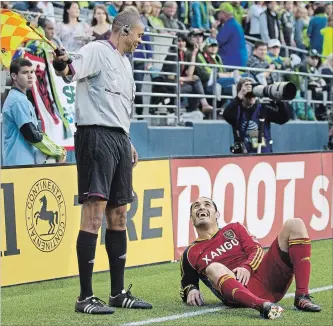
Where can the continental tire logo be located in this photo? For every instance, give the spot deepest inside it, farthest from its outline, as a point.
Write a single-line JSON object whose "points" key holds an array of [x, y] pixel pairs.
{"points": [[45, 215]]}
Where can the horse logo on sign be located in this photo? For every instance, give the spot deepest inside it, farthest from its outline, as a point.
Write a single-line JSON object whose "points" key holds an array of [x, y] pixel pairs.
{"points": [[46, 215]]}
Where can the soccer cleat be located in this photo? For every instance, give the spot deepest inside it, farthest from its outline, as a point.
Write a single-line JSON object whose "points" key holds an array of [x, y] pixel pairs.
{"points": [[94, 306], [304, 303], [271, 310], [127, 300]]}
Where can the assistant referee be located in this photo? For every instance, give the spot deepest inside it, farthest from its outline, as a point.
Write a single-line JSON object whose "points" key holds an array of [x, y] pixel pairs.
{"points": [[105, 156]]}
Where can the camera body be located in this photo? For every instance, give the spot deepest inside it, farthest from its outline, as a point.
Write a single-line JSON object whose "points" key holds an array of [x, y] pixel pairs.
{"points": [[238, 148]]}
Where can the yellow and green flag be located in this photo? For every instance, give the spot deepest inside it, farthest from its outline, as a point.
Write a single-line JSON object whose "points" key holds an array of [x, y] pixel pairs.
{"points": [[13, 31]]}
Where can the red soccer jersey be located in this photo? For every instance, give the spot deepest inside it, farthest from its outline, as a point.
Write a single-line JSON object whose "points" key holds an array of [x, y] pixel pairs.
{"points": [[231, 246]]}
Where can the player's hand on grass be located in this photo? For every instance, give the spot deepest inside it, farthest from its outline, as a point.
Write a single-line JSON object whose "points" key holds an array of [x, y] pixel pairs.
{"points": [[242, 275], [135, 156], [195, 298]]}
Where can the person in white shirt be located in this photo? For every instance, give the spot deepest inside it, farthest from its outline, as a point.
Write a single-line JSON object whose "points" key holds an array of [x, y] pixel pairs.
{"points": [[253, 18], [47, 9]]}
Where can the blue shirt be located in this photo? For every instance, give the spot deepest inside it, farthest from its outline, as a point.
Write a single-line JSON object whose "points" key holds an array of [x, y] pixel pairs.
{"points": [[317, 23], [17, 111], [232, 44]]}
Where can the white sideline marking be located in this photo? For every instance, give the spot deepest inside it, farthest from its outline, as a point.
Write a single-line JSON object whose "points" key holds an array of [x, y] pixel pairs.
{"points": [[206, 311]]}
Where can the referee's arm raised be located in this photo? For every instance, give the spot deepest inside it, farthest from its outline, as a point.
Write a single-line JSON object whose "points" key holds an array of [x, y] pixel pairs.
{"points": [[86, 62]]}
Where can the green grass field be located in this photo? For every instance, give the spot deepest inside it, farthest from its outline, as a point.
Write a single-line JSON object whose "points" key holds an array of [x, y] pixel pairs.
{"points": [[52, 303]]}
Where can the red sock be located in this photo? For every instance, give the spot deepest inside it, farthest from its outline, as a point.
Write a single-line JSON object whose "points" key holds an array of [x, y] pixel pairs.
{"points": [[300, 253], [236, 292]]}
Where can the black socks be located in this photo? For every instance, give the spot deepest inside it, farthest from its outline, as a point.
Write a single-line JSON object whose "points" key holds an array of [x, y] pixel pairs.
{"points": [[116, 246], [85, 248]]}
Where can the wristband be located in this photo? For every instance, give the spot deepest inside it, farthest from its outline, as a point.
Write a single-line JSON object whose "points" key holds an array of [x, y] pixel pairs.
{"points": [[59, 65]]}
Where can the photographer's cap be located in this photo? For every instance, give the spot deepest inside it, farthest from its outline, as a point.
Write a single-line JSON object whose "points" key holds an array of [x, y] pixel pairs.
{"points": [[274, 43]]}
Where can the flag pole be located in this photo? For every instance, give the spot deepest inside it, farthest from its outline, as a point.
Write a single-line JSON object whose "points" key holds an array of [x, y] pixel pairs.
{"points": [[43, 37]]}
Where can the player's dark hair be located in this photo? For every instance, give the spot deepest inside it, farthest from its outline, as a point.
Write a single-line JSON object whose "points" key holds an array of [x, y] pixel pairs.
{"points": [[94, 20], [207, 198], [16, 65], [258, 44], [124, 18], [65, 16]]}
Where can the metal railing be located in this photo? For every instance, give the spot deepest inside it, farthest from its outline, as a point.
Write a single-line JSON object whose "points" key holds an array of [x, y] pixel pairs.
{"points": [[307, 94], [170, 35]]}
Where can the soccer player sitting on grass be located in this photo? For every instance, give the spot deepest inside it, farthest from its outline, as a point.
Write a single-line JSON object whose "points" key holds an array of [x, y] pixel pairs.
{"points": [[233, 265]]}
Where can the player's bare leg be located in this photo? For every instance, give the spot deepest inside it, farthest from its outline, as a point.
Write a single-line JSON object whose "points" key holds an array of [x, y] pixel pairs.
{"points": [[235, 292], [294, 240], [116, 247], [91, 221]]}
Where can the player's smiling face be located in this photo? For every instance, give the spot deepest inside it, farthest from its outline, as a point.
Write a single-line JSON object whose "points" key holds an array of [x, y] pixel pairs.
{"points": [[203, 212]]}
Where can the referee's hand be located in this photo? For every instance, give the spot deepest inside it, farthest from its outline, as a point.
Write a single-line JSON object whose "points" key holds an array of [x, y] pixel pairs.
{"points": [[135, 156]]}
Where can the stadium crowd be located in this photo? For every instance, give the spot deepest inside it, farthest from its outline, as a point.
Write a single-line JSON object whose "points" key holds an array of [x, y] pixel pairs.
{"points": [[239, 34]]}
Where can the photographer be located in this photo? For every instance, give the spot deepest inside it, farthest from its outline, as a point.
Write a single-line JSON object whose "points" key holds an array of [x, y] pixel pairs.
{"points": [[244, 112]]}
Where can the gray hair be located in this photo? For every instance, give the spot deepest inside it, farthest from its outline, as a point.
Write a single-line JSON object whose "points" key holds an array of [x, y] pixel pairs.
{"points": [[126, 17], [168, 4]]}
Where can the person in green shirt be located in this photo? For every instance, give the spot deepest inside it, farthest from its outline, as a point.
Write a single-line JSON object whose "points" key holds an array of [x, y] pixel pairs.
{"points": [[239, 12]]}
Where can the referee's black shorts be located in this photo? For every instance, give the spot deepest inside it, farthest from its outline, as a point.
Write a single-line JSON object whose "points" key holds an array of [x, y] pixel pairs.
{"points": [[104, 164]]}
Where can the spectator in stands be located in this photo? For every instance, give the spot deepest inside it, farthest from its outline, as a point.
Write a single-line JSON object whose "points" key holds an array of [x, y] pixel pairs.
{"points": [[253, 18], [273, 56], [196, 35], [239, 12], [27, 6], [169, 17], [281, 63], [269, 23], [288, 24], [329, 9], [72, 32], [190, 83], [327, 33], [225, 79], [315, 84], [49, 30], [37, 47], [24, 143], [154, 18], [232, 46], [114, 7], [200, 14], [258, 60], [47, 9], [301, 25], [196, 38], [146, 9], [101, 24], [317, 23]]}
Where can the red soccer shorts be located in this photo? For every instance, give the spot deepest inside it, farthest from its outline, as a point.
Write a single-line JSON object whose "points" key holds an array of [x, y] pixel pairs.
{"points": [[273, 277]]}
